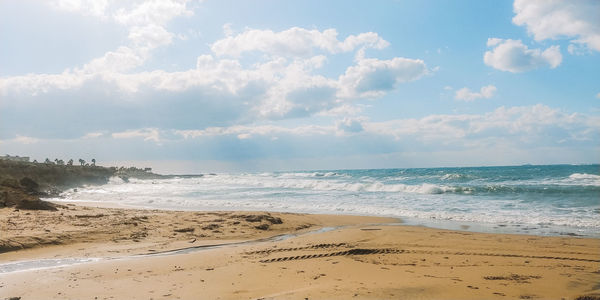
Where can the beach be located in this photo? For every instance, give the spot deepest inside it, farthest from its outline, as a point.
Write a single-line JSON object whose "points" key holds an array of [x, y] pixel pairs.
{"points": [[87, 252], [180, 149]]}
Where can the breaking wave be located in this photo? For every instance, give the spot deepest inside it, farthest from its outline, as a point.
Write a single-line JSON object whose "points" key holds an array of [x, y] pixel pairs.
{"points": [[531, 197]]}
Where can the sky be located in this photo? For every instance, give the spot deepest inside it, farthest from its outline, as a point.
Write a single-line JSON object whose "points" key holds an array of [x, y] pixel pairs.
{"points": [[225, 86]]}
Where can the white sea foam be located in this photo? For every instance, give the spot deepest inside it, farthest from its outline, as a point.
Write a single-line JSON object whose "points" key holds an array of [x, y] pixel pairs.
{"points": [[584, 179], [115, 180], [584, 176], [298, 182], [454, 176], [330, 192]]}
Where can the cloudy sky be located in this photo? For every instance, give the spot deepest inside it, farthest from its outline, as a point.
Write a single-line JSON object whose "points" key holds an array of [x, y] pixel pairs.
{"points": [[190, 86]]}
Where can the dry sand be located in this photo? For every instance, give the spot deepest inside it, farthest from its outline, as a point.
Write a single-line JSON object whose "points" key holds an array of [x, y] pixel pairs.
{"points": [[358, 261]]}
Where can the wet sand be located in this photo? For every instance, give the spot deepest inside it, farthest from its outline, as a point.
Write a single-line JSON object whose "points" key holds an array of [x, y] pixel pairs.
{"points": [[358, 261]]}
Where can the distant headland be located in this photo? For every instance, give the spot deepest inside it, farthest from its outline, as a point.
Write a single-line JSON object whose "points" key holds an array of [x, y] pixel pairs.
{"points": [[23, 182]]}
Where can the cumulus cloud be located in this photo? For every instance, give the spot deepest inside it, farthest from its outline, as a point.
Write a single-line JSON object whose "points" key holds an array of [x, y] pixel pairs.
{"points": [[512, 56], [96, 8], [276, 89], [216, 90], [536, 130], [372, 77], [575, 20], [294, 42], [466, 94], [157, 12], [145, 20], [526, 125], [150, 36], [122, 60], [349, 125], [221, 89]]}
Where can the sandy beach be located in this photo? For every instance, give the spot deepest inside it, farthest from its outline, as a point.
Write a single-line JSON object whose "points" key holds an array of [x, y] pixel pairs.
{"points": [[233, 255], [181, 149]]}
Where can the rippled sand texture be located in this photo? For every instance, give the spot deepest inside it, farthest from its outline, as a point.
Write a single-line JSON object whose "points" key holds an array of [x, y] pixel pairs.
{"points": [[357, 261]]}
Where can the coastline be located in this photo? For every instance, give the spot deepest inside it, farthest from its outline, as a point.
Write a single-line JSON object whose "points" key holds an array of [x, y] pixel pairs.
{"points": [[453, 225], [494, 200], [357, 257]]}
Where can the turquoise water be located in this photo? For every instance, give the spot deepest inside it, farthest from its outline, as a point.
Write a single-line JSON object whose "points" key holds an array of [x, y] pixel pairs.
{"points": [[543, 200]]}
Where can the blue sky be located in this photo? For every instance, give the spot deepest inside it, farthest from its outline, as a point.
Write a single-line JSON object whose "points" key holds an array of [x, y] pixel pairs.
{"points": [[190, 86]]}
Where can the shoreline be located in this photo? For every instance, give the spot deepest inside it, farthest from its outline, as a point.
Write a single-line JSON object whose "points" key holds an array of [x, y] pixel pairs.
{"points": [[455, 225], [361, 257]]}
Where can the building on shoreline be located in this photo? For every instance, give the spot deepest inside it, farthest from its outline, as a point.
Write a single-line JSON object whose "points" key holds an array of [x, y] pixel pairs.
{"points": [[15, 158]]}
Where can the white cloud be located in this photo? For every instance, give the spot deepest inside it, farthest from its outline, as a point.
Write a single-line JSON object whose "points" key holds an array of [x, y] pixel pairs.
{"points": [[343, 110], [294, 42], [372, 77], [349, 125], [275, 89], [108, 68], [246, 132], [150, 36], [598, 95], [96, 8], [158, 12], [525, 125], [537, 130], [148, 134], [92, 135], [513, 56], [272, 87], [122, 60], [26, 140], [466, 94], [137, 15], [227, 30], [145, 20], [577, 49], [577, 20], [520, 125], [35, 84]]}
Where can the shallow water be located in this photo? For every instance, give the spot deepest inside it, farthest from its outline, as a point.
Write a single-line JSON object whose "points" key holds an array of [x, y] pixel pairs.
{"points": [[40, 264]]}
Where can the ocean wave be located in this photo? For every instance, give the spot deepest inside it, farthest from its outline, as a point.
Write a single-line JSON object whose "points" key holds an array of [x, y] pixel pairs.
{"points": [[581, 179], [308, 174], [442, 209], [584, 176], [335, 185], [115, 180], [455, 176], [555, 197]]}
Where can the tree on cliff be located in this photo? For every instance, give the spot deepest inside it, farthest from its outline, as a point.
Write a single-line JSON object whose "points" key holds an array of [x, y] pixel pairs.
{"points": [[82, 162], [70, 162], [93, 162]]}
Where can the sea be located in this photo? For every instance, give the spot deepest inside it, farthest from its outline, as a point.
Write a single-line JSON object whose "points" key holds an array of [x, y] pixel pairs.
{"points": [[548, 200]]}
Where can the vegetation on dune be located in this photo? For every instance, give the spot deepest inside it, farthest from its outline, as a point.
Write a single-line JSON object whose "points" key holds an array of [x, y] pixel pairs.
{"points": [[23, 183]]}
